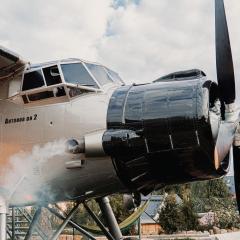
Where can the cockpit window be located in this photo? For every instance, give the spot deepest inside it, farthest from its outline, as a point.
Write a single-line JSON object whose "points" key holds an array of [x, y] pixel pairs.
{"points": [[52, 75], [32, 80], [99, 73], [115, 77], [76, 73]]}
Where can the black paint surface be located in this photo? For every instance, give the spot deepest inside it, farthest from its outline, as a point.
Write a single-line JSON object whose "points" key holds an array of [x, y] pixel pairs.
{"points": [[160, 133]]}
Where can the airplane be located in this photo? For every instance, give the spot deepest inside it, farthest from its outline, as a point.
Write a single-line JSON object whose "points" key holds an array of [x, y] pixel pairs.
{"points": [[73, 130]]}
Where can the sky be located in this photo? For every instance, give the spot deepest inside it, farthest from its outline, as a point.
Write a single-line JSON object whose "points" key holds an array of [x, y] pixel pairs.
{"points": [[140, 39]]}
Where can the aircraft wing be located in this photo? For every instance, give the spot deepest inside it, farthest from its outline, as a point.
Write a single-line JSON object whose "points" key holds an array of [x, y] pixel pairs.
{"points": [[11, 64]]}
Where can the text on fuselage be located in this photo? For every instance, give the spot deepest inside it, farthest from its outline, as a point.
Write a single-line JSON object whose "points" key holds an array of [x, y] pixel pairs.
{"points": [[21, 119]]}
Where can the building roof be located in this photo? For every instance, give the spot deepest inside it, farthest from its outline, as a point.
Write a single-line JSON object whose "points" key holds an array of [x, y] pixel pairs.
{"points": [[152, 208]]}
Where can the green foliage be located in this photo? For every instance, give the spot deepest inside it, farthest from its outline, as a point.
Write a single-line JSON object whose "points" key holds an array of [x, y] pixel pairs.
{"points": [[170, 216], [190, 219], [120, 212], [84, 218], [226, 212], [183, 190], [199, 197], [176, 217], [214, 196], [213, 188]]}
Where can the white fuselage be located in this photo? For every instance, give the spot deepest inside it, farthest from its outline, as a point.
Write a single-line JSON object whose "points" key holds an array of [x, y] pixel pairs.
{"points": [[33, 158]]}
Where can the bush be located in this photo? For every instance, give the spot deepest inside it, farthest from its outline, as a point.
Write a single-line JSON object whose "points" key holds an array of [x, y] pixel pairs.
{"points": [[190, 219], [214, 196], [176, 217], [226, 214], [170, 216]]}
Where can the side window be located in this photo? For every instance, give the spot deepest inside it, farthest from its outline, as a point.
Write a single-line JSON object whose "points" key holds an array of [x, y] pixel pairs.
{"points": [[52, 75], [32, 80], [40, 96], [73, 92], [99, 73], [55, 92]]}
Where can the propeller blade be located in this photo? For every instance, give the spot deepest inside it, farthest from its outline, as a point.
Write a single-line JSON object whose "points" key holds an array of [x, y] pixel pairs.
{"points": [[224, 62], [236, 163]]}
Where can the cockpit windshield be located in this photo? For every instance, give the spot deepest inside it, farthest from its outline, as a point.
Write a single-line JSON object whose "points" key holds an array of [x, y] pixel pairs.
{"points": [[99, 73], [115, 77], [52, 75], [64, 80], [76, 73]]}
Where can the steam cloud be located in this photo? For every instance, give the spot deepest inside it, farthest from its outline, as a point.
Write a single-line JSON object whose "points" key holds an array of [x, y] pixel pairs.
{"points": [[24, 178]]}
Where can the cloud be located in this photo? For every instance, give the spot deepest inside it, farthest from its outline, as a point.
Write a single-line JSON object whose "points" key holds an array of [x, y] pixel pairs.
{"points": [[158, 37], [140, 39], [43, 30]]}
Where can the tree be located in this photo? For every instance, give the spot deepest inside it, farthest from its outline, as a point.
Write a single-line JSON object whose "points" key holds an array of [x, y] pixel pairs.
{"points": [[203, 196], [120, 212], [214, 196], [170, 217], [178, 216], [190, 218]]}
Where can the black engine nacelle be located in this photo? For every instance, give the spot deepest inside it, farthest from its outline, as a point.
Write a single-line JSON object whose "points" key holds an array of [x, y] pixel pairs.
{"points": [[161, 133]]}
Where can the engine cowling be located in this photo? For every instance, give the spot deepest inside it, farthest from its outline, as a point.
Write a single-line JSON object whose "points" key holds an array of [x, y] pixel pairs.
{"points": [[164, 133]]}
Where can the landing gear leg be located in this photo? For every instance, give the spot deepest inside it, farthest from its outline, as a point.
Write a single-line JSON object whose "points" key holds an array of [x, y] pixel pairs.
{"points": [[3, 218], [109, 217], [65, 222]]}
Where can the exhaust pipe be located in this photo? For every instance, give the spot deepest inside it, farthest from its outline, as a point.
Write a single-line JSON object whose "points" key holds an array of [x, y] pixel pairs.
{"points": [[90, 145]]}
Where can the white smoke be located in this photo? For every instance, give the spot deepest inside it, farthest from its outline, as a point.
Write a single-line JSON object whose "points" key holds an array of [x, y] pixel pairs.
{"points": [[24, 177]]}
